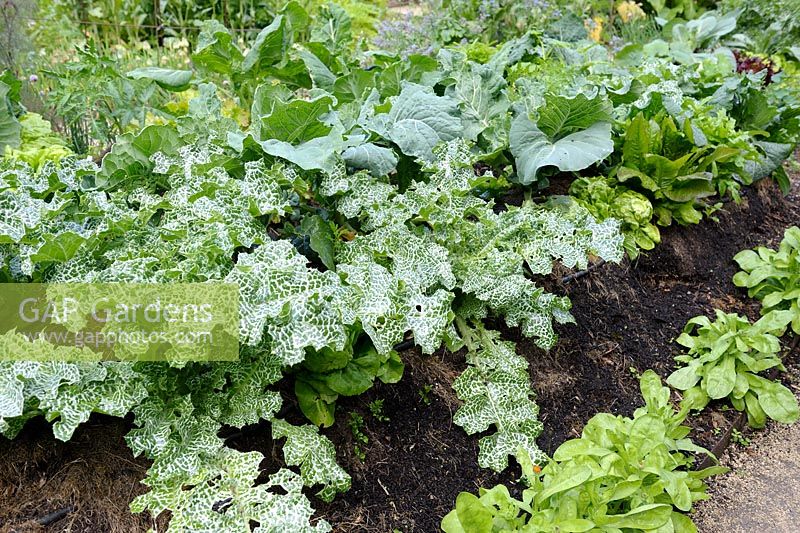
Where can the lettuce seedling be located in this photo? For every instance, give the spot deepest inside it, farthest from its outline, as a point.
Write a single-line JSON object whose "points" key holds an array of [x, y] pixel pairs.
{"points": [[724, 359], [773, 276]]}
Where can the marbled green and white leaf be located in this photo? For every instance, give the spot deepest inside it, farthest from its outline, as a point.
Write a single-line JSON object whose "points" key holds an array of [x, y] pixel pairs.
{"points": [[315, 455]]}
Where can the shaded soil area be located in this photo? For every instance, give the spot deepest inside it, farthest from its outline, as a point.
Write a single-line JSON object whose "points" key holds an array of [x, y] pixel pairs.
{"points": [[628, 315], [416, 460], [94, 474]]}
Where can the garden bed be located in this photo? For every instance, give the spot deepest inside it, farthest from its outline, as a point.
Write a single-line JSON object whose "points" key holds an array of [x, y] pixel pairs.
{"points": [[417, 461], [378, 180]]}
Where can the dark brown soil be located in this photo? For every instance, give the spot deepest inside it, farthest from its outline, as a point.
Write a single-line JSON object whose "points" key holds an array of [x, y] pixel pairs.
{"points": [[94, 472], [417, 461], [628, 315]]}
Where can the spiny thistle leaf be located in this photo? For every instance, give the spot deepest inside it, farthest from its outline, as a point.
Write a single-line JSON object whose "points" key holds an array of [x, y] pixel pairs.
{"points": [[496, 391], [315, 455]]}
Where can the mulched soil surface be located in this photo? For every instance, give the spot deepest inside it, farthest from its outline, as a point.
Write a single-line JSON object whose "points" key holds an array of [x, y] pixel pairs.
{"points": [[94, 472], [417, 461]]}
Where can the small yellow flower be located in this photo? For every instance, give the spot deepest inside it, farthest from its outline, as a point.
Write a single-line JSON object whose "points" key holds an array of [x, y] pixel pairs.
{"points": [[629, 10], [595, 28]]}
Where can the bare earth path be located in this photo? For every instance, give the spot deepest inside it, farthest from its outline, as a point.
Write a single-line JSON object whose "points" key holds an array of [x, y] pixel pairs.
{"points": [[762, 491]]}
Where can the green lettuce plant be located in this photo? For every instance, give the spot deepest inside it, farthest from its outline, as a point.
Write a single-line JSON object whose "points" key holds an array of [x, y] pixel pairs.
{"points": [[604, 198], [724, 360], [631, 474], [773, 276], [660, 160], [38, 143]]}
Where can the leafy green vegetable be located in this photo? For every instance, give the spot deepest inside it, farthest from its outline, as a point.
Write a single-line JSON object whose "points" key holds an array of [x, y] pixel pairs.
{"points": [[481, 94], [724, 359], [334, 28], [622, 473], [604, 199], [378, 160], [9, 125], [328, 374], [773, 276], [38, 143], [130, 157], [296, 132], [704, 30], [215, 50], [418, 120], [268, 49], [173, 80], [658, 160], [570, 133], [772, 156]]}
